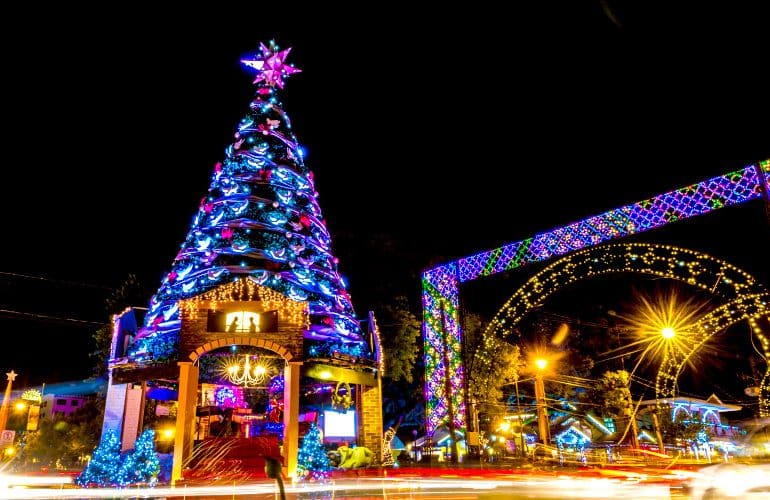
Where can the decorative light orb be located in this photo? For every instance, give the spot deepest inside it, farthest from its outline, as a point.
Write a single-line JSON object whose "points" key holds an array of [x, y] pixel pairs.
{"points": [[541, 363], [20, 406], [326, 374], [668, 332]]}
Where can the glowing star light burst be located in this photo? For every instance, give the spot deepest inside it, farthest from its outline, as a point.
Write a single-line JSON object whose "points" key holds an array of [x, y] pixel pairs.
{"points": [[664, 325], [270, 65]]}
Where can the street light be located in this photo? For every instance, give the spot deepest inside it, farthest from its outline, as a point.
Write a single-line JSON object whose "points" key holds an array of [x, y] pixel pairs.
{"points": [[542, 411]]}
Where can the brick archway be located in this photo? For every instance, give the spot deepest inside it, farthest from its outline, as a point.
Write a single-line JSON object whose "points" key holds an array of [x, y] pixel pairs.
{"points": [[250, 341], [188, 384]]}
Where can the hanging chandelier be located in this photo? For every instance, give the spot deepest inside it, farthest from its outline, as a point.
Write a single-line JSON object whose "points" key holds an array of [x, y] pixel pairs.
{"points": [[243, 372]]}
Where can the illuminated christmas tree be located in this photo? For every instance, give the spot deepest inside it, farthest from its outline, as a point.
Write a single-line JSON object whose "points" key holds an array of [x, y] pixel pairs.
{"points": [[105, 466], [142, 465], [260, 220], [312, 461]]}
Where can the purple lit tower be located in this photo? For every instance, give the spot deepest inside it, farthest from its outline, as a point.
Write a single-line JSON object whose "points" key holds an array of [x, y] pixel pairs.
{"points": [[260, 219]]}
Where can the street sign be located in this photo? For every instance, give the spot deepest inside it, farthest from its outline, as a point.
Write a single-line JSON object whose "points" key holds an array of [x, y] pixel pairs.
{"points": [[6, 438]]}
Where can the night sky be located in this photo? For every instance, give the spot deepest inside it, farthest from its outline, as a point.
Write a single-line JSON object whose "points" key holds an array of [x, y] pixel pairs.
{"points": [[432, 134]]}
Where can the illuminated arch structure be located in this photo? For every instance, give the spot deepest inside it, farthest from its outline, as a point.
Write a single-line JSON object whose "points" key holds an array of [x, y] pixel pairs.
{"points": [[742, 295], [444, 372]]}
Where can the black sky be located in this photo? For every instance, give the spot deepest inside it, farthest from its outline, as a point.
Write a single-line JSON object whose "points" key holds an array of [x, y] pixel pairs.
{"points": [[434, 132]]}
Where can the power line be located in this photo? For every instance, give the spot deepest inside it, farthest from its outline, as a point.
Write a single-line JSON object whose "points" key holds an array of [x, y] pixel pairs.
{"points": [[61, 282], [45, 317]]}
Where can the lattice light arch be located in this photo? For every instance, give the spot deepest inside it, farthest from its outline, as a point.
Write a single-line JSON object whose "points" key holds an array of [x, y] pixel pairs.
{"points": [[747, 298], [442, 334]]}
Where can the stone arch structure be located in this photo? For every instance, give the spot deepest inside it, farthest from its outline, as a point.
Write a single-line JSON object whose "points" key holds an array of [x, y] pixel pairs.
{"points": [[746, 297], [203, 325], [188, 385], [442, 333], [249, 341]]}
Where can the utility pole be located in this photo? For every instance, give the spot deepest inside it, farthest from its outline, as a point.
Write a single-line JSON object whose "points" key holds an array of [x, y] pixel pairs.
{"points": [[632, 423], [542, 411], [658, 435], [521, 420]]}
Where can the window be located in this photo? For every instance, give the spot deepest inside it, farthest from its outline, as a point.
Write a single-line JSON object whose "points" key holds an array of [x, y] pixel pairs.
{"points": [[61, 402], [75, 402], [242, 321]]}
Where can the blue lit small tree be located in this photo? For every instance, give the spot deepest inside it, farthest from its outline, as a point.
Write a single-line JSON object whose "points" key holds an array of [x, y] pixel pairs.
{"points": [[312, 461], [105, 466], [142, 465]]}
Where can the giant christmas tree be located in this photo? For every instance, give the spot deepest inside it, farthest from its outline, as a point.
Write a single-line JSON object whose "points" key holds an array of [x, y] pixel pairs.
{"points": [[260, 220]]}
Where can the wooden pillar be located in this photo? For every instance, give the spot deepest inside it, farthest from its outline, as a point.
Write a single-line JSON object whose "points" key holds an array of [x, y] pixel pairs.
{"points": [[185, 417], [291, 417]]}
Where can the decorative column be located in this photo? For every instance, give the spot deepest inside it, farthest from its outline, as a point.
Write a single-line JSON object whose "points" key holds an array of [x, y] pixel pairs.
{"points": [[291, 417], [185, 417], [6, 399]]}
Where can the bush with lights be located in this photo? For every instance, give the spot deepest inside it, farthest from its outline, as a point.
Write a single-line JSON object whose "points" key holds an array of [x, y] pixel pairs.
{"points": [[108, 467], [312, 461]]}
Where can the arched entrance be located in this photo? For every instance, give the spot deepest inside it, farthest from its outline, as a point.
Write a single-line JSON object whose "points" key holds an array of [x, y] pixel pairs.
{"points": [[229, 377]]}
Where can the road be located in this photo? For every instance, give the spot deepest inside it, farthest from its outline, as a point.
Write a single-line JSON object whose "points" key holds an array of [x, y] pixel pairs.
{"points": [[462, 488]]}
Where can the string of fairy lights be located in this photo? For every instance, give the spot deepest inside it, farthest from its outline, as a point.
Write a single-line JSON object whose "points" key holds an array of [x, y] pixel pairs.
{"points": [[290, 311], [440, 284]]}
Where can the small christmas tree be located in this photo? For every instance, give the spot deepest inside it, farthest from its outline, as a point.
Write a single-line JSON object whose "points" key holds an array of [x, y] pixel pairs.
{"points": [[104, 468], [312, 462], [142, 465]]}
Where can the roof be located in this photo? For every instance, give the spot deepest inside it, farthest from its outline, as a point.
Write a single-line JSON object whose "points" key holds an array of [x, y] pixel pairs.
{"points": [[712, 403]]}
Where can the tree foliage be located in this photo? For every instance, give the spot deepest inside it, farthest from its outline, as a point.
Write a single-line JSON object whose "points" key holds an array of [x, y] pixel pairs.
{"points": [[612, 393], [490, 362], [64, 441], [683, 428], [130, 293], [400, 331]]}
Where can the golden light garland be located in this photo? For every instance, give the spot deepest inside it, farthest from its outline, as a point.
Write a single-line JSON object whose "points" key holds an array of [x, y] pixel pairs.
{"points": [[32, 395], [747, 297], [289, 311]]}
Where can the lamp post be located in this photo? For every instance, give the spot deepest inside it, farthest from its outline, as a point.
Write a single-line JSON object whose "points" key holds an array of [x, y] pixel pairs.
{"points": [[521, 421], [542, 412]]}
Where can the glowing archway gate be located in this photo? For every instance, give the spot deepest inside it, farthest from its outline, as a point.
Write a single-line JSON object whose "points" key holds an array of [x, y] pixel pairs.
{"points": [[694, 268], [746, 297], [444, 373]]}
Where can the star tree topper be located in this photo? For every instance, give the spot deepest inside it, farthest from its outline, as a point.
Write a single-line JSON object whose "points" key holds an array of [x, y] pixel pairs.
{"points": [[270, 65]]}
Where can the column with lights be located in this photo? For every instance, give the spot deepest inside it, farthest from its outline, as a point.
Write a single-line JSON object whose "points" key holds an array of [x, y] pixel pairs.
{"points": [[6, 400]]}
